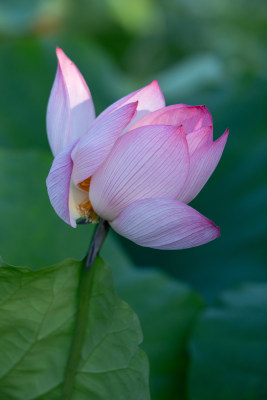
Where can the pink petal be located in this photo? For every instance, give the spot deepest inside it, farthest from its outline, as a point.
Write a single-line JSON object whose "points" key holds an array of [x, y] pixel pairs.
{"points": [[202, 164], [70, 108], [191, 117], [58, 184], [164, 224], [149, 98], [94, 147], [199, 138], [151, 161]]}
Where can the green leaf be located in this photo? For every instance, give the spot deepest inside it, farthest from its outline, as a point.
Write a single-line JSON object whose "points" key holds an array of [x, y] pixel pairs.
{"points": [[167, 310], [229, 348], [38, 323]]}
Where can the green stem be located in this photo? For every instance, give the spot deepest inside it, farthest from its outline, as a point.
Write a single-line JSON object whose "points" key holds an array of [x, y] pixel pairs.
{"points": [[99, 237], [84, 292]]}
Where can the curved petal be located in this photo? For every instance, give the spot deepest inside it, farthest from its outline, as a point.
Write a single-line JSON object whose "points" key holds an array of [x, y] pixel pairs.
{"points": [[150, 98], [199, 138], [151, 161], [95, 146], [202, 164], [164, 224], [58, 184], [191, 117], [70, 109]]}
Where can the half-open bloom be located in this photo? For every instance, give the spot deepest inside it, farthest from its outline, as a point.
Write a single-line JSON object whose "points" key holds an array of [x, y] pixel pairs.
{"points": [[136, 165]]}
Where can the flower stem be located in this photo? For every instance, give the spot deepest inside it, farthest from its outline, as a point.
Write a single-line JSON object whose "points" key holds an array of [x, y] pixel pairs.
{"points": [[84, 293], [99, 237]]}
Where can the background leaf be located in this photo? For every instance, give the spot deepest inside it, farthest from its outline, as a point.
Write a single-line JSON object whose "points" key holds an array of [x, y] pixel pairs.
{"points": [[229, 347], [167, 311], [37, 329]]}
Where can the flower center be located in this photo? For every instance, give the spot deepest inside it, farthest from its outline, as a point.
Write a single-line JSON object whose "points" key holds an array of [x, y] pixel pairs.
{"points": [[85, 208], [85, 185]]}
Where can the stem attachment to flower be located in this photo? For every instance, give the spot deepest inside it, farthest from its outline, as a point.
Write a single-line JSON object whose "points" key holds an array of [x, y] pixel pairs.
{"points": [[99, 237]]}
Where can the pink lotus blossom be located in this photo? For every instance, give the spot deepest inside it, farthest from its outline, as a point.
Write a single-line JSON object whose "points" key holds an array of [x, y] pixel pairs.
{"points": [[136, 165]]}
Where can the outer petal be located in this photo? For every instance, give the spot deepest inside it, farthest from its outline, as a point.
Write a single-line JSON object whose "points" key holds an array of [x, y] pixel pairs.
{"points": [[164, 224], [202, 164], [150, 98], [58, 184], [191, 117], [151, 161], [95, 146], [199, 138], [70, 108]]}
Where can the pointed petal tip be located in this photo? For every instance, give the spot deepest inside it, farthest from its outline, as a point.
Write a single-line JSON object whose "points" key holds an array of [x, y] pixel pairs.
{"points": [[60, 53], [203, 162], [134, 104], [223, 138], [70, 110], [212, 231], [62, 58], [204, 108], [216, 232], [226, 133], [180, 128], [206, 115], [155, 85]]}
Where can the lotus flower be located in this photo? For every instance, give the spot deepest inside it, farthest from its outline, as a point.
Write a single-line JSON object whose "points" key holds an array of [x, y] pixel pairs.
{"points": [[136, 165]]}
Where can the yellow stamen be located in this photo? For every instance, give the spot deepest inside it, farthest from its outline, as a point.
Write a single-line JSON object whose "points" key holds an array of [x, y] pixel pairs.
{"points": [[85, 185], [85, 208]]}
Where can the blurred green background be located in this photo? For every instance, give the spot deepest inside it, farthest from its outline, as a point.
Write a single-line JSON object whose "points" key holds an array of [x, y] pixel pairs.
{"points": [[209, 52]]}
